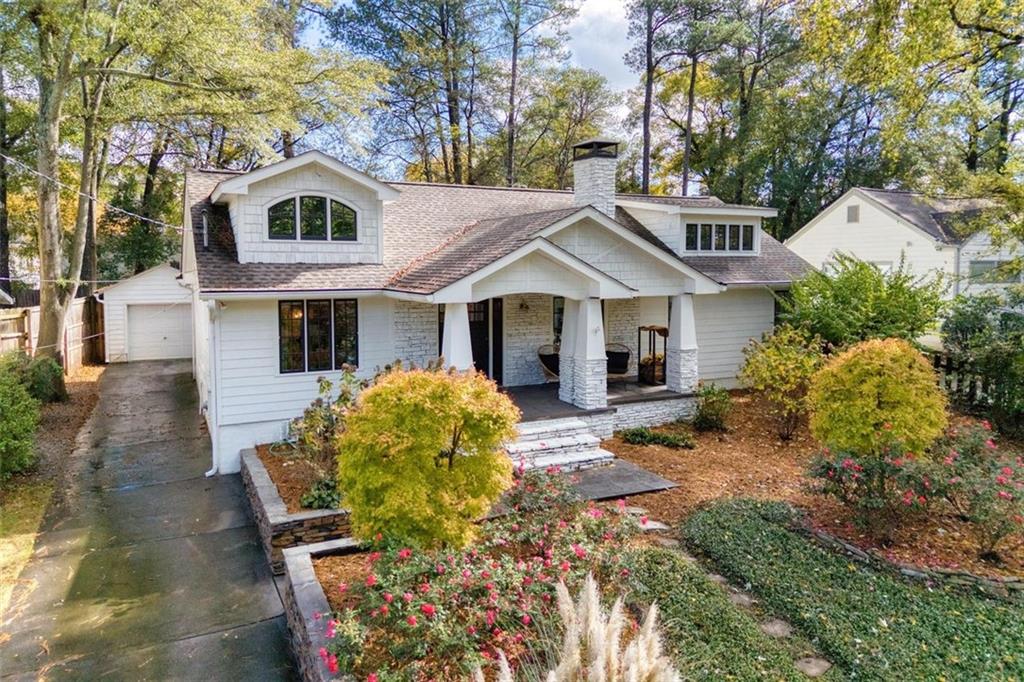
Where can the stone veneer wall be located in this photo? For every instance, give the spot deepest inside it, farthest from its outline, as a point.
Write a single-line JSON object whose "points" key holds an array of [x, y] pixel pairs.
{"points": [[306, 607], [621, 320], [654, 412], [681, 370], [526, 330], [277, 528], [416, 332], [600, 422]]}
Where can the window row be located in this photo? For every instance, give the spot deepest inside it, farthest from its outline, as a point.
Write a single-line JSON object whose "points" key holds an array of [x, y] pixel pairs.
{"points": [[708, 237], [993, 272], [312, 218], [318, 335]]}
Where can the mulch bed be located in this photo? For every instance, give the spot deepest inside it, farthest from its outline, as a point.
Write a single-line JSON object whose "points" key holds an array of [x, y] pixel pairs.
{"points": [[347, 569], [291, 475], [751, 461]]}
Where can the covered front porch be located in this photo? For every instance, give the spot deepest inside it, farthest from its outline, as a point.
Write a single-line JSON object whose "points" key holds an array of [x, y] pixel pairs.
{"points": [[542, 401]]}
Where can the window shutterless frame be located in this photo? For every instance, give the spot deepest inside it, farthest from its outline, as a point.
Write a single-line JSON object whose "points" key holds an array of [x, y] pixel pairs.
{"points": [[312, 217], [317, 335], [291, 341]]}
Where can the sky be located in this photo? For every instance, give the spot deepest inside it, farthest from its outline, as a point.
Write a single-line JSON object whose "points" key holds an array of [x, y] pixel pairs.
{"points": [[597, 38]]}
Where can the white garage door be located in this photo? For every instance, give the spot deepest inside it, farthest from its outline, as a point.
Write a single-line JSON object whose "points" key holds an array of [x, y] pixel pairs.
{"points": [[159, 331]]}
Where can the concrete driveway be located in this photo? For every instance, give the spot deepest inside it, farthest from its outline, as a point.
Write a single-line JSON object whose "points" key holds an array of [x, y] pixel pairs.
{"points": [[150, 570]]}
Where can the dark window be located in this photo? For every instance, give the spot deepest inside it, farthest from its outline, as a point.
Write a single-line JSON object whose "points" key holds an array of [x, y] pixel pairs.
{"points": [[691, 236], [290, 324], [346, 333], [992, 271], [313, 217], [748, 238], [719, 237], [318, 335], [281, 220], [557, 315], [705, 237], [343, 222], [734, 237]]}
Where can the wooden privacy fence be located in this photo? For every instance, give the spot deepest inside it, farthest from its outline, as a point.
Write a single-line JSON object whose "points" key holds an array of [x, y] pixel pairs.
{"points": [[83, 340], [963, 384]]}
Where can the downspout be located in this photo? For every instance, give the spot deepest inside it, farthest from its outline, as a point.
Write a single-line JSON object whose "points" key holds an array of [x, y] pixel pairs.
{"points": [[956, 271], [214, 381]]}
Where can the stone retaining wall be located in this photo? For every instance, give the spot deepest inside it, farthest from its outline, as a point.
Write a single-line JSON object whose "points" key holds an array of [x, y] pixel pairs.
{"points": [[653, 412], [1005, 588], [277, 528], [305, 605]]}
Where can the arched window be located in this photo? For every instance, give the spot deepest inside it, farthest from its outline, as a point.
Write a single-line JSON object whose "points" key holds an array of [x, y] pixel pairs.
{"points": [[311, 218]]}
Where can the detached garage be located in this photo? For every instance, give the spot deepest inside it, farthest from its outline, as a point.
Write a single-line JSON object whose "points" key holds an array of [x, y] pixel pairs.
{"points": [[148, 317]]}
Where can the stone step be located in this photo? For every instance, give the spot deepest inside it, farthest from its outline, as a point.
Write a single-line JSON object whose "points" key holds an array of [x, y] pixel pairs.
{"points": [[549, 428], [556, 444], [566, 461]]}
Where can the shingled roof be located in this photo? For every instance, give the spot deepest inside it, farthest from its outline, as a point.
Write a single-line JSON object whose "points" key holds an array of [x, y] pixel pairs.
{"points": [[941, 218], [435, 234]]}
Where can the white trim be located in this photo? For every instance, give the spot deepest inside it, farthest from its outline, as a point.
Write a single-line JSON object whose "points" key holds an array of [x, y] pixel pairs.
{"points": [[296, 234], [5, 298], [762, 212], [754, 251], [240, 184], [603, 284], [699, 279]]}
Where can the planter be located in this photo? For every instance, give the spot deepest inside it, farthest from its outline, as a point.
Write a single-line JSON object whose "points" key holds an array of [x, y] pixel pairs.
{"points": [[306, 607], [278, 529]]}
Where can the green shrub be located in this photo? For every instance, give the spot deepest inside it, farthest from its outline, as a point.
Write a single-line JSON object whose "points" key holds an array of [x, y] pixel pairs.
{"points": [[986, 334], [41, 376], [421, 457], [780, 367], [19, 418], [323, 494], [713, 406], [852, 301], [708, 637], [873, 625], [641, 435], [873, 395]]}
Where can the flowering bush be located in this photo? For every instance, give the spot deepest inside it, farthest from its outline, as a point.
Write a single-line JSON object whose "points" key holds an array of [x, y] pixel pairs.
{"points": [[780, 367], [421, 456], [983, 485], [438, 614], [873, 395]]}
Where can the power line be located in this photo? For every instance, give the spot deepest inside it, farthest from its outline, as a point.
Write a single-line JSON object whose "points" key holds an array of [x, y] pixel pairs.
{"points": [[109, 206]]}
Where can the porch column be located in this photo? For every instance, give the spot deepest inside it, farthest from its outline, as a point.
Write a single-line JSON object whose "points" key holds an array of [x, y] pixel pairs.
{"points": [[456, 347], [567, 350], [590, 366], [681, 347]]}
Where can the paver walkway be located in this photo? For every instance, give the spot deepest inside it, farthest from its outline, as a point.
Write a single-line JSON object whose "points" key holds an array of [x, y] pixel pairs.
{"points": [[150, 570]]}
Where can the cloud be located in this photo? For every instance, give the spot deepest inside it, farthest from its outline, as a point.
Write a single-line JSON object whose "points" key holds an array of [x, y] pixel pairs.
{"points": [[598, 40]]}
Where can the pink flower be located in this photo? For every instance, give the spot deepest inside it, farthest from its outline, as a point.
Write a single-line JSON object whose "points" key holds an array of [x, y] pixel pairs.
{"points": [[384, 609], [643, 520], [372, 677], [1005, 495], [404, 553], [411, 620], [332, 664], [373, 557], [407, 597], [388, 597], [490, 617], [466, 573], [1007, 471], [428, 610], [990, 444], [526, 619], [323, 654], [471, 629], [371, 580], [595, 512], [621, 504], [580, 552], [986, 425], [564, 566]]}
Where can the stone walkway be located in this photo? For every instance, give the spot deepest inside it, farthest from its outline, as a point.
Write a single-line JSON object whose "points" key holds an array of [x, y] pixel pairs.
{"points": [[149, 570]]}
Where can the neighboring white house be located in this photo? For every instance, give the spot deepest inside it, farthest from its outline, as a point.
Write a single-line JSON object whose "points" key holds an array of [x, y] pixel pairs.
{"points": [[881, 226], [5, 298], [307, 264], [148, 316]]}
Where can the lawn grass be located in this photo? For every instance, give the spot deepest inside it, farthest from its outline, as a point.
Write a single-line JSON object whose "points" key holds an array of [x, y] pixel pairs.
{"points": [[709, 638], [873, 624], [22, 505]]}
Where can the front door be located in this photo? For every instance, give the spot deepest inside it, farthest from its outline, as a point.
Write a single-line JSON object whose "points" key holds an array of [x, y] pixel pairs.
{"points": [[485, 336]]}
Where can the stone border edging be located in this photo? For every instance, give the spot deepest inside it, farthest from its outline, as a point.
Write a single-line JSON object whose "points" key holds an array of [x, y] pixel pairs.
{"points": [[277, 528], [306, 607], [1008, 588]]}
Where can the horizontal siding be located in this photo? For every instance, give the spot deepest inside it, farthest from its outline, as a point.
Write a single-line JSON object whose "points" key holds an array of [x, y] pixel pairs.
{"points": [[159, 285], [980, 247], [725, 325]]}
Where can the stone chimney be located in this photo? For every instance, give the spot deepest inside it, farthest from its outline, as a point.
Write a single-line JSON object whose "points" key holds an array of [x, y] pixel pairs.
{"points": [[593, 170]]}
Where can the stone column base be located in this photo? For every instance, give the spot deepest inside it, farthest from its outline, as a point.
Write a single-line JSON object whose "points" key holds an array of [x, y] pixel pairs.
{"points": [[590, 384], [681, 370], [565, 377]]}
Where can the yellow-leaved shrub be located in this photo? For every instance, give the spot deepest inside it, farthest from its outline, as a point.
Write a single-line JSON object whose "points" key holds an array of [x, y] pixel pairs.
{"points": [[875, 394], [421, 458]]}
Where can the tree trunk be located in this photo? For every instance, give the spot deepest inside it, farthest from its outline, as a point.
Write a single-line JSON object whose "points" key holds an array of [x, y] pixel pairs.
{"points": [[287, 144], [5, 235], [645, 165], [449, 29], [684, 190], [510, 126]]}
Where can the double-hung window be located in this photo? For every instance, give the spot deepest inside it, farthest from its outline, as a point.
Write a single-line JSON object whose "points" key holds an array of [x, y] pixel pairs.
{"points": [[317, 336], [311, 218]]}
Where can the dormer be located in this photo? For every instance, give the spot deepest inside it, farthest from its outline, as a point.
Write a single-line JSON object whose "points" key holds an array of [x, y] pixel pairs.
{"points": [[701, 226], [311, 208]]}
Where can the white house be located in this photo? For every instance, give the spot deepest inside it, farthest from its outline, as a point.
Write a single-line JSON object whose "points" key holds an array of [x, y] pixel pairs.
{"points": [[307, 264], [148, 316], [880, 226]]}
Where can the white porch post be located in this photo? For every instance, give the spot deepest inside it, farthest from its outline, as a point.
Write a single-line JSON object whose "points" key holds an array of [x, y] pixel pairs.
{"points": [[681, 348], [567, 350], [456, 347], [590, 366]]}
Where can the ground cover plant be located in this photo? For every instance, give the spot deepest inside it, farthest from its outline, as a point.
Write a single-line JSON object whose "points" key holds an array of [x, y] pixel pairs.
{"points": [[642, 435], [873, 624]]}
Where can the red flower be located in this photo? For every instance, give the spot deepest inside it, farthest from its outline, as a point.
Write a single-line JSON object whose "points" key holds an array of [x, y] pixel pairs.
{"points": [[471, 629], [388, 597], [332, 664], [491, 616], [428, 610], [564, 566], [373, 557], [372, 677], [404, 553], [580, 552], [411, 620], [383, 609], [526, 619], [371, 580]]}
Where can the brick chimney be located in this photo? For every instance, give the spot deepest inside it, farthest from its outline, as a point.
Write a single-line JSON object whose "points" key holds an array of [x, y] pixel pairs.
{"points": [[593, 170]]}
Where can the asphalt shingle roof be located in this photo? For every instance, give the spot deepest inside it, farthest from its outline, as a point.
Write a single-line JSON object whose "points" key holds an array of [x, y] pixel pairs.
{"points": [[940, 217], [436, 234]]}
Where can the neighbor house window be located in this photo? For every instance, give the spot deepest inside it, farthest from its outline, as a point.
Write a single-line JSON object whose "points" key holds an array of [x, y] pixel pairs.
{"points": [[992, 272], [318, 335], [853, 213], [313, 218], [705, 237]]}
